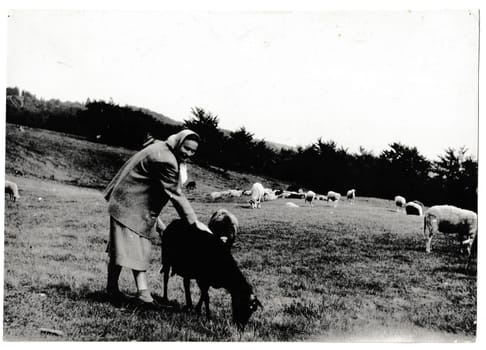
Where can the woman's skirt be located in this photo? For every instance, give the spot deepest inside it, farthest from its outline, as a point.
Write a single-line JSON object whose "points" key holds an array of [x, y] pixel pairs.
{"points": [[128, 249]]}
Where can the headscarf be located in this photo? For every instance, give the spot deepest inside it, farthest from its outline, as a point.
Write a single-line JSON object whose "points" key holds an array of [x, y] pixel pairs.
{"points": [[175, 142]]}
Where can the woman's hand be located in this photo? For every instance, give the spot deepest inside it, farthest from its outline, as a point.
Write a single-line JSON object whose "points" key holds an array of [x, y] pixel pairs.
{"points": [[201, 226]]}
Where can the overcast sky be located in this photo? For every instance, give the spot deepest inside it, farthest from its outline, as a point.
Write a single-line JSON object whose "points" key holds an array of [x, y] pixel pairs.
{"points": [[360, 78]]}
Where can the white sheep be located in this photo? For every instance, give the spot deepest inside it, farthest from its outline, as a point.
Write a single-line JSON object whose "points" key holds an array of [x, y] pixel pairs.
{"points": [[216, 195], [351, 194], [414, 208], [267, 191], [334, 197], [12, 190], [257, 192], [270, 196], [400, 202], [309, 197], [450, 219], [235, 193]]}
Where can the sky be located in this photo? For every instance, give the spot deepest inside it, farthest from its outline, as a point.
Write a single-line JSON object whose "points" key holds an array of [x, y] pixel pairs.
{"points": [[359, 78]]}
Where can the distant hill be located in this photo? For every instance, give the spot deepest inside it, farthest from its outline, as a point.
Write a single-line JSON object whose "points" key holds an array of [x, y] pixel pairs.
{"points": [[60, 157], [24, 108], [160, 117], [164, 119]]}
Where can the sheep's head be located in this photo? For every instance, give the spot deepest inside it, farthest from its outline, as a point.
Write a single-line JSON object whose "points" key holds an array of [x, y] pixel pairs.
{"points": [[224, 225], [243, 308]]}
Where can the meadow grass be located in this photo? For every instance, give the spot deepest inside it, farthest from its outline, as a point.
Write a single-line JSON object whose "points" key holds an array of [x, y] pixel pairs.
{"points": [[322, 273]]}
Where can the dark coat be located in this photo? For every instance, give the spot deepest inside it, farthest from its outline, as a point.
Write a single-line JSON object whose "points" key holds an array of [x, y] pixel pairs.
{"points": [[143, 186]]}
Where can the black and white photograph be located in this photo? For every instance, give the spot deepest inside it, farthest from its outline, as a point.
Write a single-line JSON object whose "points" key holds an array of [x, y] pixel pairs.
{"points": [[277, 174]]}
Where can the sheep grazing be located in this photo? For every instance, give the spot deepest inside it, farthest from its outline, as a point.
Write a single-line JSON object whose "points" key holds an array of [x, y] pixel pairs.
{"points": [[450, 219], [195, 254], [257, 193], [400, 202], [216, 195], [270, 196], [334, 197], [224, 225], [235, 193], [351, 195], [309, 197], [191, 186], [414, 208], [12, 190]]}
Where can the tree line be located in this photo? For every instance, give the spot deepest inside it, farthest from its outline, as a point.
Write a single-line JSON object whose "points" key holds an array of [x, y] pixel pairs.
{"points": [[321, 166]]}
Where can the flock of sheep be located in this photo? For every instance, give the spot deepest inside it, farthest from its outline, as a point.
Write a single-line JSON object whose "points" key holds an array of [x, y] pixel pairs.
{"points": [[439, 218], [182, 245], [259, 194], [224, 270], [445, 219]]}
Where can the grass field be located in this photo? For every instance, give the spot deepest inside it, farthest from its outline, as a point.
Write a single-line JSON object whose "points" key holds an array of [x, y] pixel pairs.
{"points": [[351, 273]]}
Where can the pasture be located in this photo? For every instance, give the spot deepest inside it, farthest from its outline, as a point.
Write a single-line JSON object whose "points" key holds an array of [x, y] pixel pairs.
{"points": [[351, 273]]}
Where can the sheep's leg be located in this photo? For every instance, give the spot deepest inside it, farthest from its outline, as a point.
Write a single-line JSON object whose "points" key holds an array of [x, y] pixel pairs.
{"points": [[206, 303], [165, 271], [204, 288], [431, 228], [428, 248], [187, 292]]}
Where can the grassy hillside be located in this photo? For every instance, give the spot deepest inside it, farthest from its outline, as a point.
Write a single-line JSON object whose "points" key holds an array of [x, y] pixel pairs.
{"points": [[347, 273], [69, 159]]}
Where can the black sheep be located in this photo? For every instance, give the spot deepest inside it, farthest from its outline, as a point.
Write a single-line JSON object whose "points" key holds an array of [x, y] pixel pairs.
{"points": [[195, 254]]}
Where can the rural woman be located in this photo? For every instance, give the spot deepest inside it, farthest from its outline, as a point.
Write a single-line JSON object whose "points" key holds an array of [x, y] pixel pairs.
{"points": [[136, 197]]}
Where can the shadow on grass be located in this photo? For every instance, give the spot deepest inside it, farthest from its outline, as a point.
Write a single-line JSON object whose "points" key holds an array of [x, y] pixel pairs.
{"points": [[125, 301], [132, 303]]}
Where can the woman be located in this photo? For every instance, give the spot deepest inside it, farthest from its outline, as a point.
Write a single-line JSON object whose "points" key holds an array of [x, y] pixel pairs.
{"points": [[136, 196]]}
